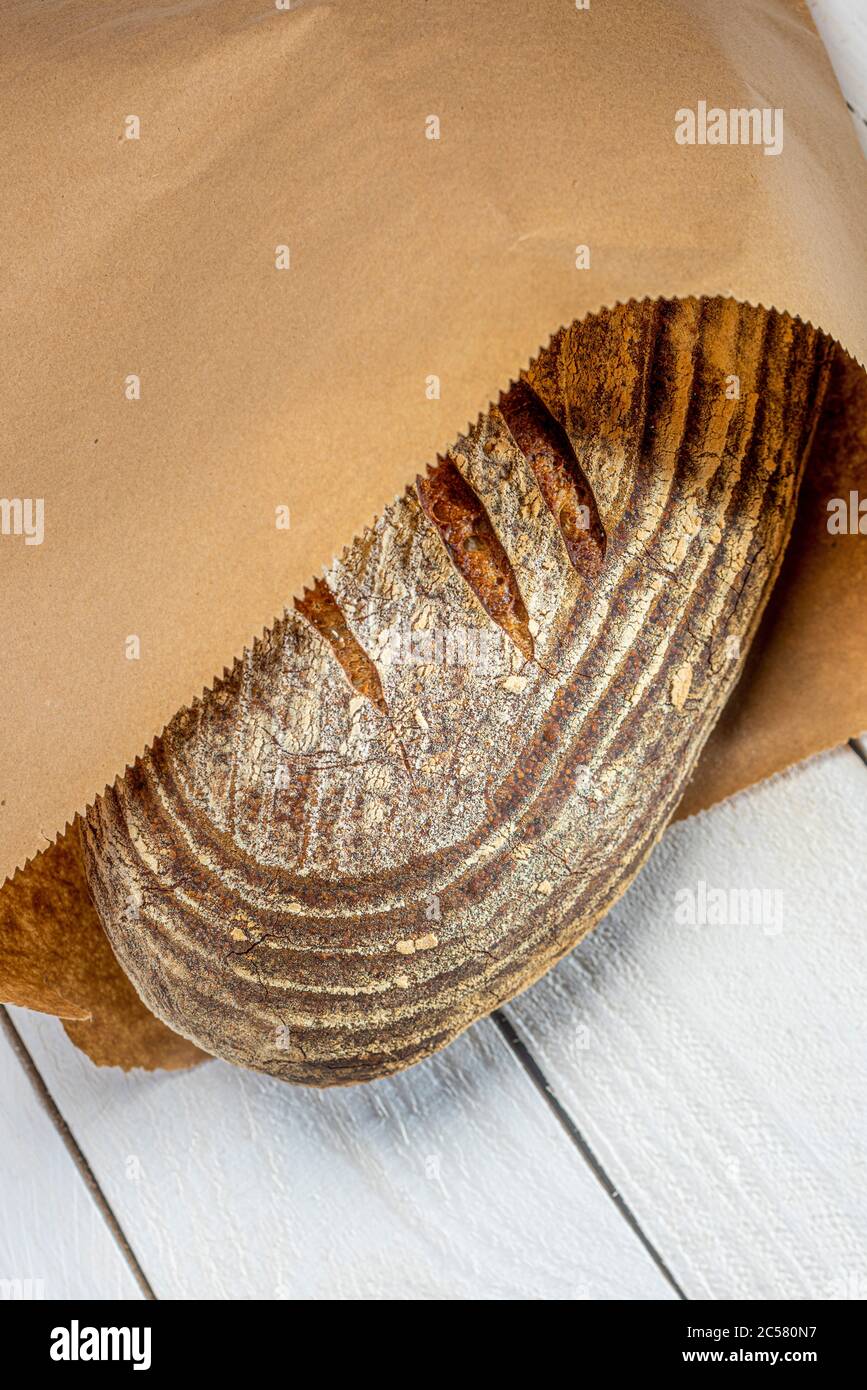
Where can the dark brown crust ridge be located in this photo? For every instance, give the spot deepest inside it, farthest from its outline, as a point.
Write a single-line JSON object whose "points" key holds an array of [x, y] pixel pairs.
{"points": [[432, 778]]}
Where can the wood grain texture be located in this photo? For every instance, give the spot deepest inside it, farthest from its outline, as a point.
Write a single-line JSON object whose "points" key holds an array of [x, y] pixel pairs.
{"points": [[719, 1071], [842, 25], [453, 1181], [53, 1240], [431, 780]]}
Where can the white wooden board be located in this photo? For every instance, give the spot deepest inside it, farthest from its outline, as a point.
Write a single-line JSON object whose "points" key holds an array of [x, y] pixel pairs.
{"points": [[54, 1242], [842, 25], [450, 1181], [720, 1072]]}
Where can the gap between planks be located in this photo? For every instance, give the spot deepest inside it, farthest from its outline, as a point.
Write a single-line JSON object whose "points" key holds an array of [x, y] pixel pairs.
{"points": [[86, 1173], [859, 747], [523, 1050], [524, 1054], [856, 113]]}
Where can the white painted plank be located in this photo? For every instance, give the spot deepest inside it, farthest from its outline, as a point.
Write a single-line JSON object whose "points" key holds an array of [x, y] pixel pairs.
{"points": [[452, 1180], [53, 1240], [842, 25], [720, 1072]]}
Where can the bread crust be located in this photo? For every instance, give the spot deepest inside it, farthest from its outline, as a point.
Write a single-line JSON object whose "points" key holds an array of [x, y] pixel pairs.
{"points": [[433, 777]]}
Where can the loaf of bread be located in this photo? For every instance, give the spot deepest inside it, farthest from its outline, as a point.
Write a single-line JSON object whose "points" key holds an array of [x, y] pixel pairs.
{"points": [[437, 773]]}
